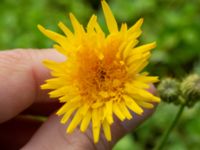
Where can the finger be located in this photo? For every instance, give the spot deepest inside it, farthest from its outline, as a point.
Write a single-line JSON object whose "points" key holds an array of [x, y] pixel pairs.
{"points": [[52, 135], [16, 132], [21, 73], [58, 139]]}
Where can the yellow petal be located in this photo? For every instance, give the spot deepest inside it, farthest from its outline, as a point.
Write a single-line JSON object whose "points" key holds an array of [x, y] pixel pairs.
{"points": [[123, 28], [137, 67], [134, 35], [147, 79], [141, 94], [91, 23], [55, 66], [99, 31], [60, 92], [96, 125], [86, 121], [144, 48], [53, 35], [138, 84], [84, 109], [141, 66], [136, 26], [66, 107], [106, 129], [137, 57], [145, 104], [117, 111], [75, 121], [122, 47], [110, 19], [61, 49], [68, 114], [128, 49], [67, 32], [71, 96], [78, 28], [125, 111], [130, 103], [67, 98], [47, 86], [108, 112], [53, 83]]}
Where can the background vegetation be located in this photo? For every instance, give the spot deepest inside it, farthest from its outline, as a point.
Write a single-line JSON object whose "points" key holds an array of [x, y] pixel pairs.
{"points": [[174, 24]]}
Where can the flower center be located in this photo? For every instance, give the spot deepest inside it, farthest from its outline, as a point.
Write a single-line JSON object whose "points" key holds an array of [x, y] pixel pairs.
{"points": [[99, 80]]}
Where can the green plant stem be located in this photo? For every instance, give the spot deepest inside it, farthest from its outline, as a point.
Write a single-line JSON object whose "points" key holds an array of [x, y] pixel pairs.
{"points": [[165, 136]]}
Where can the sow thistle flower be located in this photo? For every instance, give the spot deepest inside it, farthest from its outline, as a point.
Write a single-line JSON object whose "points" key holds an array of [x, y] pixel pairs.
{"points": [[101, 75]]}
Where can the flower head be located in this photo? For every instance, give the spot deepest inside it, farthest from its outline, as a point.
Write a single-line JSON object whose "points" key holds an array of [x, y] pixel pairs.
{"points": [[101, 75], [169, 90], [190, 88]]}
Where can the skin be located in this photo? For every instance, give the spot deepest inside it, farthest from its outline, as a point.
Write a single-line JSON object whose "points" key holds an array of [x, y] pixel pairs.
{"points": [[21, 74]]}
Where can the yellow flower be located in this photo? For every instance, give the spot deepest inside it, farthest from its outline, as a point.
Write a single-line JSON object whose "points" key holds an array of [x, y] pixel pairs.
{"points": [[101, 75]]}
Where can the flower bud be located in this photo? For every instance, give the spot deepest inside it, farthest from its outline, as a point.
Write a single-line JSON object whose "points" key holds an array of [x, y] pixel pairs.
{"points": [[190, 88], [169, 90]]}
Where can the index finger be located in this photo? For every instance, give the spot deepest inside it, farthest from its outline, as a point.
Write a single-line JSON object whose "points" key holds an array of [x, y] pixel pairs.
{"points": [[21, 74]]}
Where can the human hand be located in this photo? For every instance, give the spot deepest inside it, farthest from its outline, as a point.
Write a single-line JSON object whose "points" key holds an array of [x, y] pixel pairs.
{"points": [[21, 74]]}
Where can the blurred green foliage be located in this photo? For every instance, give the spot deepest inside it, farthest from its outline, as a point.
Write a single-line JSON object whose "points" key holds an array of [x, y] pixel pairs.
{"points": [[174, 24]]}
